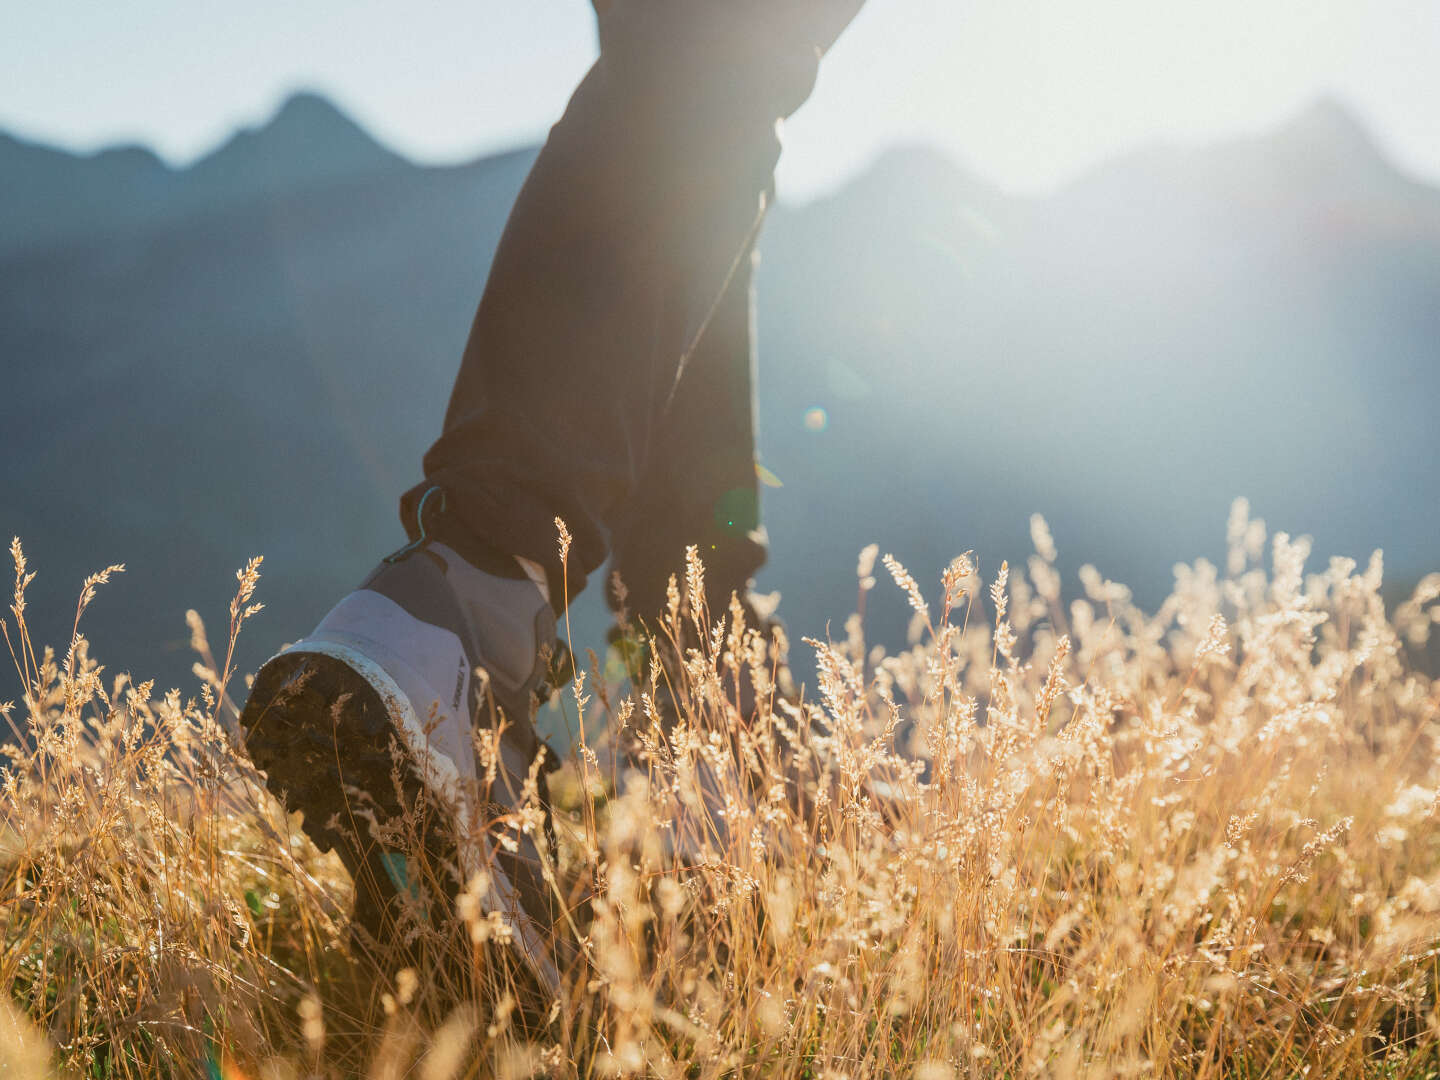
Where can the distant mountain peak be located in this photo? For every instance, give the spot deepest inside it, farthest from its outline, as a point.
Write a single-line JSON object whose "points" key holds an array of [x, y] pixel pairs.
{"points": [[310, 113], [913, 174], [1329, 133], [910, 158], [305, 126], [1323, 153], [307, 141]]}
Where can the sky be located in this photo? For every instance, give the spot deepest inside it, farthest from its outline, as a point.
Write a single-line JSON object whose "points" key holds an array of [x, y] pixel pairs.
{"points": [[1029, 93]]}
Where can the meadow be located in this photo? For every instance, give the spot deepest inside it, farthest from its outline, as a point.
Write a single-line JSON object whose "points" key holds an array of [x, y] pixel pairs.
{"points": [[1055, 835]]}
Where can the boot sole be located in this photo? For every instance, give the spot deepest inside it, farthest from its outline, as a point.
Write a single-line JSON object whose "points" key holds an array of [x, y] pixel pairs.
{"points": [[323, 737]]}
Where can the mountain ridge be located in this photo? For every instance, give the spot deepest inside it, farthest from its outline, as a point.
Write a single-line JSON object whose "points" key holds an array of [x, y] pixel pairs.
{"points": [[57, 196], [263, 374], [269, 158]]}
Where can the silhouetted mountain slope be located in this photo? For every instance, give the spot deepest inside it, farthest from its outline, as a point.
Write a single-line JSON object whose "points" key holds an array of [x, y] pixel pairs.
{"points": [[254, 359], [1258, 317], [307, 144], [261, 379], [52, 196]]}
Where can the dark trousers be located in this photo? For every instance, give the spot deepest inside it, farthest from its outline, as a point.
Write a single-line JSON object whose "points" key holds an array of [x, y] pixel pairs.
{"points": [[609, 375]]}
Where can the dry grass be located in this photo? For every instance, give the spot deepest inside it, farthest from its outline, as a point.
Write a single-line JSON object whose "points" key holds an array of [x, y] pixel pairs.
{"points": [[1075, 841]]}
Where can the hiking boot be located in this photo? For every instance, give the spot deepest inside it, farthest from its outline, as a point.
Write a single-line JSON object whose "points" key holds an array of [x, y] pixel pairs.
{"points": [[445, 645]]}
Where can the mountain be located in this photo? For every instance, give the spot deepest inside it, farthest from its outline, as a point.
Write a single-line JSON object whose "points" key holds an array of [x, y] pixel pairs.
{"points": [[250, 355], [54, 197], [1256, 317]]}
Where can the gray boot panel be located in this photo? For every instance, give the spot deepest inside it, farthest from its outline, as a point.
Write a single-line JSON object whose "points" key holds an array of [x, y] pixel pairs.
{"points": [[505, 623]]}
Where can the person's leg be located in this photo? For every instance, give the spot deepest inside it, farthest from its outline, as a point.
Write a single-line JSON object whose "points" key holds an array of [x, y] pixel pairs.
{"points": [[639, 212], [630, 238], [701, 485]]}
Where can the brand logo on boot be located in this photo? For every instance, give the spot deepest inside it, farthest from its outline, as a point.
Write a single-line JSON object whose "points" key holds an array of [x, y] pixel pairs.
{"points": [[459, 685]]}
